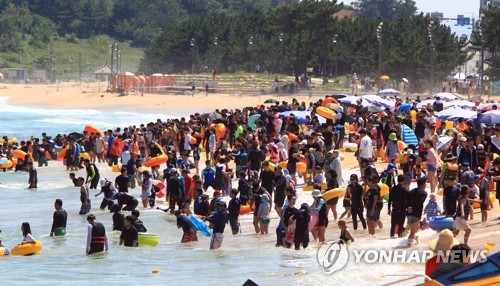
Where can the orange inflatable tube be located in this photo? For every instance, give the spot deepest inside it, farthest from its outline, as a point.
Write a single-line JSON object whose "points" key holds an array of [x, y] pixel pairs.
{"points": [[19, 154], [91, 129]]}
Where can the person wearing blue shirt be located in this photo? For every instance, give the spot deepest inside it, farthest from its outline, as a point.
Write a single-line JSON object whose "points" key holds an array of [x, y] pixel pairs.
{"points": [[208, 175]]}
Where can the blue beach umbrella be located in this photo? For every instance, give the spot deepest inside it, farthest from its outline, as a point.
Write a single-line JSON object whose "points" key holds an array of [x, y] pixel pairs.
{"points": [[409, 136], [490, 117]]}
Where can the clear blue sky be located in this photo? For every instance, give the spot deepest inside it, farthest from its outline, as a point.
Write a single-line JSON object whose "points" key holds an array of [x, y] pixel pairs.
{"points": [[450, 9]]}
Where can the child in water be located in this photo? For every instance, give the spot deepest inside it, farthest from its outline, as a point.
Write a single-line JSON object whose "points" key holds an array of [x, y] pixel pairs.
{"points": [[345, 235], [432, 208], [26, 230], [302, 218], [263, 214]]}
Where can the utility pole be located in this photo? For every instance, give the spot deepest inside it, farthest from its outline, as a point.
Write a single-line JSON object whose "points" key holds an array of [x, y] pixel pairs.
{"points": [[282, 51], [192, 48], [335, 50], [379, 38], [430, 31]]}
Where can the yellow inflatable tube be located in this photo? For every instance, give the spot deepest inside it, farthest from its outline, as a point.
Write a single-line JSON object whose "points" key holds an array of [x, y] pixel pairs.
{"points": [[26, 249]]}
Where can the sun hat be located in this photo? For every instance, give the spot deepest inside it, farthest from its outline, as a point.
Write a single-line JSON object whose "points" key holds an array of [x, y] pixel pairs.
{"points": [[316, 193], [393, 137], [445, 241]]}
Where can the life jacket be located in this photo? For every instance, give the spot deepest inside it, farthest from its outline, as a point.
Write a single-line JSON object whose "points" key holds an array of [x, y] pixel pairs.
{"points": [[98, 233], [451, 171]]}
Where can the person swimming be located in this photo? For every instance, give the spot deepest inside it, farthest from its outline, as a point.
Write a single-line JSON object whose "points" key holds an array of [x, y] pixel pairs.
{"points": [[26, 230]]}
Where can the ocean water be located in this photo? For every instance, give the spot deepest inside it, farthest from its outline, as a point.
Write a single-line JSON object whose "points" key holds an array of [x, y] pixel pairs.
{"points": [[63, 260], [24, 121]]}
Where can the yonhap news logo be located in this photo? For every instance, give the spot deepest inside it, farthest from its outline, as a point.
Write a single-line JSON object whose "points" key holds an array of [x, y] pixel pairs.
{"points": [[333, 256]]}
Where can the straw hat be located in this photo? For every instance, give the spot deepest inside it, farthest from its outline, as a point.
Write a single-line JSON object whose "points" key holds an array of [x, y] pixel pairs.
{"points": [[443, 242]]}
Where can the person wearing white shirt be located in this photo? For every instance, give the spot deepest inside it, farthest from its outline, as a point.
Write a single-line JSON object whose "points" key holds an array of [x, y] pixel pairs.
{"points": [[365, 150]]}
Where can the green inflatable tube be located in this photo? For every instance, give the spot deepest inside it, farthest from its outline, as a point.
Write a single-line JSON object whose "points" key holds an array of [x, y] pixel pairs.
{"points": [[148, 239]]}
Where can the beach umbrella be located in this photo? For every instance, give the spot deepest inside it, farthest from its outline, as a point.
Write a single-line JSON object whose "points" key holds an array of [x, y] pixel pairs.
{"points": [[487, 106], [378, 101], [385, 77], [214, 115], [444, 114], [252, 119], [75, 135], [352, 101], [301, 116], [460, 103], [467, 114], [445, 96], [444, 142], [274, 101], [409, 136], [425, 103], [489, 117], [388, 91], [404, 107], [372, 108]]}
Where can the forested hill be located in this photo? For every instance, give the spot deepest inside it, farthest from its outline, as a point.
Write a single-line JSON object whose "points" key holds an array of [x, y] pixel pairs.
{"points": [[136, 20]]}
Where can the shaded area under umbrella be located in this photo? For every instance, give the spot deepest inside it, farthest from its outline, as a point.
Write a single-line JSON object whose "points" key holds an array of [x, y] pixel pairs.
{"points": [[489, 117]]}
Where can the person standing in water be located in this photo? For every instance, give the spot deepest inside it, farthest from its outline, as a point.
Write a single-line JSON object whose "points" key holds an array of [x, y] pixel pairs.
{"points": [[33, 176], [97, 241], [129, 236], [60, 218], [92, 174]]}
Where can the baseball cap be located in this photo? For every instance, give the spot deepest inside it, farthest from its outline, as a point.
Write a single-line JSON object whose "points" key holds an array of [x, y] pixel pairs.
{"points": [[216, 193]]}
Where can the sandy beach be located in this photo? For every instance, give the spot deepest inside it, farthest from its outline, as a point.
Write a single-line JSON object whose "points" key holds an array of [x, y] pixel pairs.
{"points": [[93, 96], [73, 95]]}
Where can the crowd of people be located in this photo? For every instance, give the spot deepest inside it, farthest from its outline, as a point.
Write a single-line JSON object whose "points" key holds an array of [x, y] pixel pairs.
{"points": [[254, 167]]}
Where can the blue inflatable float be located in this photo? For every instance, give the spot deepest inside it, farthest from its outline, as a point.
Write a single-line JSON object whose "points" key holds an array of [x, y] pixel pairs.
{"points": [[439, 223], [200, 225]]}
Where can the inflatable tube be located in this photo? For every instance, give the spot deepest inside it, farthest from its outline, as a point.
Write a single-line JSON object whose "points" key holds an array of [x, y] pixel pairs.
{"points": [[333, 193], [439, 223], [9, 141], [4, 251], [239, 131], [325, 112], [350, 147], [351, 128], [251, 121], [440, 192], [59, 232], [147, 239], [301, 167], [84, 155], [7, 165], [220, 130], [26, 249], [91, 129], [313, 221], [384, 189], [477, 204], [291, 136], [329, 100], [116, 168], [3, 160], [245, 209], [14, 162], [200, 225], [19, 154], [62, 153], [155, 161], [401, 146], [160, 185], [309, 188]]}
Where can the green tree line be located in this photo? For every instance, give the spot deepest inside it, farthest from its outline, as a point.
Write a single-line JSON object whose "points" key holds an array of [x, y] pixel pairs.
{"points": [[292, 38]]}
